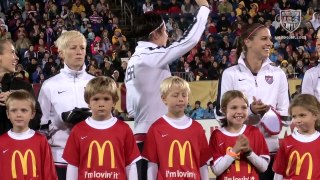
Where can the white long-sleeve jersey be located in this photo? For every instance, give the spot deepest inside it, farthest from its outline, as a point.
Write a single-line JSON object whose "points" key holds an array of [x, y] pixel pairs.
{"points": [[60, 93], [270, 85], [310, 83], [149, 66]]}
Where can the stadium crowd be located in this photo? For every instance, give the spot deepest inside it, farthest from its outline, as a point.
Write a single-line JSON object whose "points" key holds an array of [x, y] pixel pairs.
{"points": [[34, 26]]}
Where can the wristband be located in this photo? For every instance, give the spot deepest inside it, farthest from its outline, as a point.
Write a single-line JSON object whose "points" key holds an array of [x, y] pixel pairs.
{"points": [[233, 154], [248, 153]]}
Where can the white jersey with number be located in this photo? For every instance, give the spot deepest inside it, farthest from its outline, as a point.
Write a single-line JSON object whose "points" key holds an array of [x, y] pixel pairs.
{"points": [[149, 66]]}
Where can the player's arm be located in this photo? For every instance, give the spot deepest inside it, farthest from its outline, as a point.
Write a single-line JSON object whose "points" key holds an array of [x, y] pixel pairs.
{"points": [[44, 99], [283, 96], [225, 84], [277, 177], [132, 172], [221, 164], [152, 170], [72, 172], [307, 83], [260, 162], [161, 57], [204, 172]]}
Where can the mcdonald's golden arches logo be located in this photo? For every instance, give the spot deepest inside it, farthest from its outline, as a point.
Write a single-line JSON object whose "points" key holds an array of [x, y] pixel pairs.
{"points": [[24, 163], [237, 163], [101, 150], [182, 152], [300, 160]]}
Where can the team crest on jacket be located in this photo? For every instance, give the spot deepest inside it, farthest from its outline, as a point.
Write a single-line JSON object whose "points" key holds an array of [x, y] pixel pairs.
{"points": [[269, 79]]}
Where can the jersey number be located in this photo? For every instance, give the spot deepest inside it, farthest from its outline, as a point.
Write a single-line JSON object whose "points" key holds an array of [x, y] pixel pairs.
{"points": [[130, 73]]}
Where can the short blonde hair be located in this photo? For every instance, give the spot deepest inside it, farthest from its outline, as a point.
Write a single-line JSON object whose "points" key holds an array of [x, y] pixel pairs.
{"points": [[21, 95], [101, 84], [63, 41], [167, 84]]}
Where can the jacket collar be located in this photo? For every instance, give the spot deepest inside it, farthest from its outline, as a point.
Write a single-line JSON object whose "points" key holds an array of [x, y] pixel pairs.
{"points": [[243, 66], [72, 73]]}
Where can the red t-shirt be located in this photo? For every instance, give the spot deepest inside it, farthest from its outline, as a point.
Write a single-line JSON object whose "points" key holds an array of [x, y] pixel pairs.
{"points": [[26, 159], [298, 160], [179, 153], [101, 153], [221, 141]]}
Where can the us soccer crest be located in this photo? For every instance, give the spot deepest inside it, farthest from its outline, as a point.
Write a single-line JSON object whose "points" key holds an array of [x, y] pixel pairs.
{"points": [[269, 79], [290, 19]]}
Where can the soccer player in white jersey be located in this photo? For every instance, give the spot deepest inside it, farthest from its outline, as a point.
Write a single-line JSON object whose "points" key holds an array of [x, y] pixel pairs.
{"points": [[63, 92], [310, 82], [264, 85], [149, 66]]}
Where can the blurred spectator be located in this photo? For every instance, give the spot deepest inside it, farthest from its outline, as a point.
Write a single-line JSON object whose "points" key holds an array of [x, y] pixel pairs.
{"points": [[187, 7], [265, 6], [147, 6], [224, 7], [254, 7], [107, 69], [209, 112], [174, 7], [188, 110], [118, 38], [160, 8], [297, 92], [198, 111], [96, 45], [4, 33], [315, 20], [36, 75], [214, 71], [102, 5], [78, 7], [240, 8]]}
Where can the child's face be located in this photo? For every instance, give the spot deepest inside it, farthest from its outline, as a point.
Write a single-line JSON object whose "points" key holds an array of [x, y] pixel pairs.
{"points": [[236, 112], [176, 101], [304, 120], [20, 113], [101, 105]]}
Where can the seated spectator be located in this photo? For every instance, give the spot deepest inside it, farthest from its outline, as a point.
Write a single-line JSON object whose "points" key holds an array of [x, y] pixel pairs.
{"points": [[225, 7], [78, 7], [160, 8], [4, 33], [96, 45], [118, 38], [209, 112], [107, 69], [187, 7], [308, 16], [315, 20], [36, 75], [147, 6], [174, 7], [300, 69], [253, 10], [31, 67], [297, 92], [265, 6], [198, 111], [214, 71], [188, 110], [240, 8]]}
